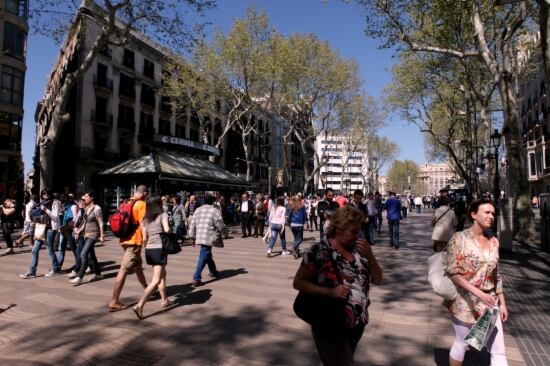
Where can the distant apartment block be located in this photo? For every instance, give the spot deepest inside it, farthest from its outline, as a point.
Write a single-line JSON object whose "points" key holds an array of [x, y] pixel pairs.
{"points": [[14, 28], [432, 177]]}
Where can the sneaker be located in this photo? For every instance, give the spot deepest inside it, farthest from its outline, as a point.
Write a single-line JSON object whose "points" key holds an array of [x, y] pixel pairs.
{"points": [[213, 275], [76, 281], [269, 253], [286, 252], [73, 274], [9, 251], [27, 275], [52, 273], [196, 283], [88, 270], [96, 278]]}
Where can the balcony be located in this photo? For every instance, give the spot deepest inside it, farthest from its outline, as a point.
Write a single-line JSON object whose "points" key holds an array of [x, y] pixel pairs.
{"points": [[103, 83], [102, 118]]}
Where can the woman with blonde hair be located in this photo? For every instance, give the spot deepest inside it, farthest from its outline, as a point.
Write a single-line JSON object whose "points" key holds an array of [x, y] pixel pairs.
{"points": [[341, 267], [298, 218]]}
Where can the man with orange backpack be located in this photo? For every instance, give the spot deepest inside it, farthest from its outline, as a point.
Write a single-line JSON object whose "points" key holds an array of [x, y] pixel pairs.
{"points": [[125, 224]]}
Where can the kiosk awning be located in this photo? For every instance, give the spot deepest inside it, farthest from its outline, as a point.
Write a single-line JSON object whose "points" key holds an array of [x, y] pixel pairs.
{"points": [[172, 166]]}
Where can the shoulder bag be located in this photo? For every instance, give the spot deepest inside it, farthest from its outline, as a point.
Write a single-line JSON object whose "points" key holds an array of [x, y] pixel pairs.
{"points": [[438, 278], [40, 231], [434, 221], [170, 243], [326, 314]]}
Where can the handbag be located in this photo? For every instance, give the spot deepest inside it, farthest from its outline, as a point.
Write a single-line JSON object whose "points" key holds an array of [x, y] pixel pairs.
{"points": [[435, 221], [481, 330], [437, 277], [267, 236], [326, 314], [218, 242], [40, 231], [170, 243]]}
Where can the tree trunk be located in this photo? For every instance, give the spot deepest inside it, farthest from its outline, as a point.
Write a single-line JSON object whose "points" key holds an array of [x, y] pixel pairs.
{"points": [[46, 150], [246, 156]]}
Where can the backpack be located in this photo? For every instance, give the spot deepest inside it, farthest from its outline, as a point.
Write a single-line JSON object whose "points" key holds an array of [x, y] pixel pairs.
{"points": [[122, 223], [39, 216]]}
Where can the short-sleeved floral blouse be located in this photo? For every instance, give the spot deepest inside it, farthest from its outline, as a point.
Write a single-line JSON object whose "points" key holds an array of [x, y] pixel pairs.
{"points": [[355, 274], [465, 257]]}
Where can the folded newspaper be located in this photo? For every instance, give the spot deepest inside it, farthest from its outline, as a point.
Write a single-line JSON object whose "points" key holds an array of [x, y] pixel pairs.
{"points": [[480, 332]]}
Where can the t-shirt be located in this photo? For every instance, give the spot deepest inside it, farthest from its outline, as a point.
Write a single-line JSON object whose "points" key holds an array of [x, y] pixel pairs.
{"points": [[28, 207], [138, 212], [355, 274]]}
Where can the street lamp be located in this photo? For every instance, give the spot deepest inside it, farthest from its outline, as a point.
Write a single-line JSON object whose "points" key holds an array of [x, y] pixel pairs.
{"points": [[495, 145]]}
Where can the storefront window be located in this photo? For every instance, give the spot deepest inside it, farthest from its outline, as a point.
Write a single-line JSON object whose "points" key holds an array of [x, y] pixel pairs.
{"points": [[11, 86], [10, 132], [15, 40]]}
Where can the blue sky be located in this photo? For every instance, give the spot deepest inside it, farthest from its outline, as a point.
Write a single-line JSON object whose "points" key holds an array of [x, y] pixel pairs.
{"points": [[339, 23]]}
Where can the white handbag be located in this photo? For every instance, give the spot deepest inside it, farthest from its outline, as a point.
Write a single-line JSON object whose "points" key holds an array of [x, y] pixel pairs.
{"points": [[40, 231], [438, 278]]}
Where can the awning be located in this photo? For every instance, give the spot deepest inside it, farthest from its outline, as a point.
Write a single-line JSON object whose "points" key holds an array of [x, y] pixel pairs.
{"points": [[172, 166]]}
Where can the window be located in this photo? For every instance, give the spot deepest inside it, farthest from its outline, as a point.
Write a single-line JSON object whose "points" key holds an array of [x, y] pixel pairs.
{"points": [[14, 41], [128, 59], [532, 165], [101, 78], [127, 86], [147, 95], [12, 86], [180, 131], [125, 117], [10, 132], [17, 7], [146, 125], [164, 127], [148, 69]]}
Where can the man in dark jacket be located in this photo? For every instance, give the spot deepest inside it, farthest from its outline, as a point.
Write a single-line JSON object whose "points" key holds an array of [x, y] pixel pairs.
{"points": [[327, 204], [246, 212], [393, 207]]}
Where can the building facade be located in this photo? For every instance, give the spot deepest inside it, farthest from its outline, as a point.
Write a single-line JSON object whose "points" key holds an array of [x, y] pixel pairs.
{"points": [[346, 164], [14, 28], [118, 113], [432, 177]]}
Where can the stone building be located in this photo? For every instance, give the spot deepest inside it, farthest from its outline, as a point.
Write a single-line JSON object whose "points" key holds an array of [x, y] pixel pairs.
{"points": [[117, 113], [432, 177], [14, 28]]}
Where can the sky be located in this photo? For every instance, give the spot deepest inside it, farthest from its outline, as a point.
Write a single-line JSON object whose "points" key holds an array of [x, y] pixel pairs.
{"points": [[338, 22]]}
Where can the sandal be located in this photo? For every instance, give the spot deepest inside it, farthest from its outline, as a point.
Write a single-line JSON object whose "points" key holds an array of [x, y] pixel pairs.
{"points": [[166, 304], [138, 312]]}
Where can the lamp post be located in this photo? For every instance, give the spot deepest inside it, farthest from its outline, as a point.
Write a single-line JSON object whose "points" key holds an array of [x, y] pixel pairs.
{"points": [[495, 145]]}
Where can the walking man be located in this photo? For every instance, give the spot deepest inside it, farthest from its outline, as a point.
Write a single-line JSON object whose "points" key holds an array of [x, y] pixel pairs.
{"points": [[247, 214], [418, 204], [393, 207], [327, 204], [379, 205], [372, 213], [206, 227], [190, 206], [131, 261]]}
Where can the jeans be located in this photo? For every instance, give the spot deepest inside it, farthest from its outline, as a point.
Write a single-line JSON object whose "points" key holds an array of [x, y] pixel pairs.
{"points": [[298, 234], [51, 236], [404, 211], [418, 208], [88, 250], [205, 258], [65, 238], [371, 229], [379, 222], [276, 229], [394, 232]]}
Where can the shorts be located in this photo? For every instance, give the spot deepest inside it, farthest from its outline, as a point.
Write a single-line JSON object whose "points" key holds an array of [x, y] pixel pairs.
{"points": [[156, 257], [28, 228], [131, 261]]}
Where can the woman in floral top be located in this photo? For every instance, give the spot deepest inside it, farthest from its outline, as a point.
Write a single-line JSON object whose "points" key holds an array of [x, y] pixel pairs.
{"points": [[356, 267], [473, 267]]}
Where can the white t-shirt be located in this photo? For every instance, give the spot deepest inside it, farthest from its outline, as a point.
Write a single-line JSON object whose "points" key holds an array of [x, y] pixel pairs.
{"points": [[244, 206], [28, 208]]}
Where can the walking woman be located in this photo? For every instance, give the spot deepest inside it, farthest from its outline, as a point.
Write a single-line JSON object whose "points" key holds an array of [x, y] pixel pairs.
{"points": [[313, 213], [91, 228], [298, 218], [444, 222], [342, 267], [154, 222], [7, 216], [277, 221], [474, 269]]}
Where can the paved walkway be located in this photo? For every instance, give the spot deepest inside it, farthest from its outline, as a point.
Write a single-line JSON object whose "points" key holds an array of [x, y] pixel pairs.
{"points": [[246, 317]]}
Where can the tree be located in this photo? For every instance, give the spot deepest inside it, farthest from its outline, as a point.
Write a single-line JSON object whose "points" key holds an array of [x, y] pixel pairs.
{"points": [[379, 152], [468, 29], [403, 175], [115, 21]]}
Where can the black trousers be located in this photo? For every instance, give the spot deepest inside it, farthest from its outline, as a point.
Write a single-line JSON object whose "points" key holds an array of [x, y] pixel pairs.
{"points": [[246, 223], [337, 349]]}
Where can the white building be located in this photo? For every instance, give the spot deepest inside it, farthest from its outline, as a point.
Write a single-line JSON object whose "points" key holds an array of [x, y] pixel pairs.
{"points": [[383, 185], [346, 164], [432, 177]]}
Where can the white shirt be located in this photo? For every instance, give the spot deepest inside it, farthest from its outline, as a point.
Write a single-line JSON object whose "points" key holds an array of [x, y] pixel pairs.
{"points": [[418, 201], [244, 206], [28, 208]]}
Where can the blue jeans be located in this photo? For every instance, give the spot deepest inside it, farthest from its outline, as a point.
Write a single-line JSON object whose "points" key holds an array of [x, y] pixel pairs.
{"points": [[64, 239], [298, 234], [371, 229], [87, 253], [276, 229], [50, 239], [205, 258], [418, 208], [394, 232]]}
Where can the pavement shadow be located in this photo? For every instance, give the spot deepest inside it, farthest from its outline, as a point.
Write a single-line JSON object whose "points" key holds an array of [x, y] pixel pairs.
{"points": [[471, 358], [185, 298]]}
